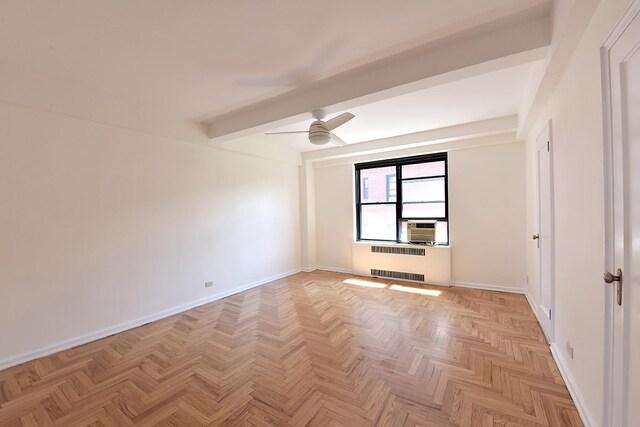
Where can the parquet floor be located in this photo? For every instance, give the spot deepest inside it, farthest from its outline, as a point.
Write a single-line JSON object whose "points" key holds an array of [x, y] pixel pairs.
{"points": [[307, 350]]}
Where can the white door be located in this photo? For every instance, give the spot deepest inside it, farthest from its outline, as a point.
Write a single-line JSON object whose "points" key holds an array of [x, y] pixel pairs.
{"points": [[543, 239], [623, 173]]}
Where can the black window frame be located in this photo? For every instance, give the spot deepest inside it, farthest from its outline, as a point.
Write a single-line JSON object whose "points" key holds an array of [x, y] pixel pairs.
{"points": [[398, 163]]}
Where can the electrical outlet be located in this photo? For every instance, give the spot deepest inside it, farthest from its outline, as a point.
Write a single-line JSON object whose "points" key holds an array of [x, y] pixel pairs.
{"points": [[208, 284], [569, 349]]}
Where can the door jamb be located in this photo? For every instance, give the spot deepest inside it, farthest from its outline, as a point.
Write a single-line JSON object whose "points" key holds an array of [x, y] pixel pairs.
{"points": [[618, 29]]}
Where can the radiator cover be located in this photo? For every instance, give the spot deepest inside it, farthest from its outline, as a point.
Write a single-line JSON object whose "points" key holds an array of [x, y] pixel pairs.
{"points": [[423, 264]]}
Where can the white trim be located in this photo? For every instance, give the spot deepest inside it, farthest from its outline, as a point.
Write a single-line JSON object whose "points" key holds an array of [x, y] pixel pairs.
{"points": [[105, 332], [529, 298], [509, 289], [398, 245], [607, 150], [334, 269], [533, 307], [610, 394], [585, 415], [569, 381], [488, 131], [549, 318]]}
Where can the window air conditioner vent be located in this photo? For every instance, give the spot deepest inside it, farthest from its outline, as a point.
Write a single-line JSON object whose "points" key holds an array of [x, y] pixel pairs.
{"points": [[421, 232], [397, 275], [398, 250]]}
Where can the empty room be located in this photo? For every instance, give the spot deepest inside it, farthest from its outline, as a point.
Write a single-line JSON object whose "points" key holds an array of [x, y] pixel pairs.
{"points": [[341, 213]]}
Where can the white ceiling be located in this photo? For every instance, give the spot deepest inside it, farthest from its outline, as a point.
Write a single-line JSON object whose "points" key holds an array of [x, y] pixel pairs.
{"points": [[200, 58], [481, 97]]}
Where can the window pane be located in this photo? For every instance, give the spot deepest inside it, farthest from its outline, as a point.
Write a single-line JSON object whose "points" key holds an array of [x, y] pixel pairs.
{"points": [[391, 187], [403, 232], [442, 235], [365, 188], [377, 185], [378, 222], [423, 210], [423, 190], [419, 170]]}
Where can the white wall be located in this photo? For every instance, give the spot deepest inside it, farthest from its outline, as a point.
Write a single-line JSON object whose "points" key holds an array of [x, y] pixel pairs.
{"points": [[575, 109], [100, 226], [335, 198], [486, 208]]}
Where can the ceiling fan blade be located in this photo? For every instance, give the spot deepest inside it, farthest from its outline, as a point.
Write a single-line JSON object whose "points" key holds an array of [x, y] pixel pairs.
{"points": [[336, 140], [284, 133], [338, 121]]}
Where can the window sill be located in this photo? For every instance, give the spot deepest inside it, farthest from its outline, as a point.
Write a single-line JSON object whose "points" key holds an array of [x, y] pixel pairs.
{"points": [[387, 243]]}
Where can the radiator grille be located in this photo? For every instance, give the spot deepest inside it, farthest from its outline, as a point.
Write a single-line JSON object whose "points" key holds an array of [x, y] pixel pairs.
{"points": [[397, 275], [398, 250]]}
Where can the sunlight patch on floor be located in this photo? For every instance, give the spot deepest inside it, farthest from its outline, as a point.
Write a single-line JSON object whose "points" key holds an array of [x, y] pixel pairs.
{"points": [[394, 287], [401, 288], [364, 283]]}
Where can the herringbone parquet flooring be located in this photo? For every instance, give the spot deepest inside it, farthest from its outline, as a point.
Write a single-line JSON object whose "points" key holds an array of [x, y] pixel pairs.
{"points": [[307, 350]]}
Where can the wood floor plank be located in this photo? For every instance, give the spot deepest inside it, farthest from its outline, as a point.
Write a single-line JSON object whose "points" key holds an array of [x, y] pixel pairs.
{"points": [[310, 349]]}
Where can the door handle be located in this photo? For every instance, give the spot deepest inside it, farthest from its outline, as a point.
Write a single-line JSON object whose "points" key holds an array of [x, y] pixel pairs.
{"points": [[535, 236], [610, 278]]}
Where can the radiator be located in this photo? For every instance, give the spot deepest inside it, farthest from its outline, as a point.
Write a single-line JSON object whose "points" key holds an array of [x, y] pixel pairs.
{"points": [[416, 263]]}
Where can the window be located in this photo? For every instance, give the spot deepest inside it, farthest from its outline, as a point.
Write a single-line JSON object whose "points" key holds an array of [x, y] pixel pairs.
{"points": [[391, 192]]}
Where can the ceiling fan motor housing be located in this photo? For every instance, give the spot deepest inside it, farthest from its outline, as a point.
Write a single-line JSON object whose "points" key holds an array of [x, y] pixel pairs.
{"points": [[318, 134]]}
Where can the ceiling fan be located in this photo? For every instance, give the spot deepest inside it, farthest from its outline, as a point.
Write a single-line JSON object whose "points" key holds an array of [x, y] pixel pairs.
{"points": [[320, 131]]}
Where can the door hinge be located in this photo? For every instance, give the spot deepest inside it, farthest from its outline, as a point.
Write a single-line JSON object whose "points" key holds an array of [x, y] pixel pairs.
{"points": [[548, 149], [549, 314]]}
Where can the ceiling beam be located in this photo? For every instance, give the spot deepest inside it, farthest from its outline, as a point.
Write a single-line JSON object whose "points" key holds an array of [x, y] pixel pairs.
{"points": [[560, 55], [497, 126], [460, 144], [499, 44]]}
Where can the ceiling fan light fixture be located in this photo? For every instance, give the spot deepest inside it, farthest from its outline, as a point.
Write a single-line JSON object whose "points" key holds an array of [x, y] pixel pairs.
{"points": [[320, 131], [319, 138]]}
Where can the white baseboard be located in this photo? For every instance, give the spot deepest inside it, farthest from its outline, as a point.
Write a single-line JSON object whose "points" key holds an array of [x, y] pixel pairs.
{"points": [[102, 333], [324, 268], [585, 415], [532, 304], [509, 289], [334, 269], [530, 299]]}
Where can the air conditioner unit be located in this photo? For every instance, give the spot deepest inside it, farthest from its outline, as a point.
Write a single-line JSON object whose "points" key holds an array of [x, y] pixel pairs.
{"points": [[421, 232]]}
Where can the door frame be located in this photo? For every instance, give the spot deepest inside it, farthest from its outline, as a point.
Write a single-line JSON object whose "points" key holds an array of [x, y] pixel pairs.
{"points": [[610, 395], [546, 131]]}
